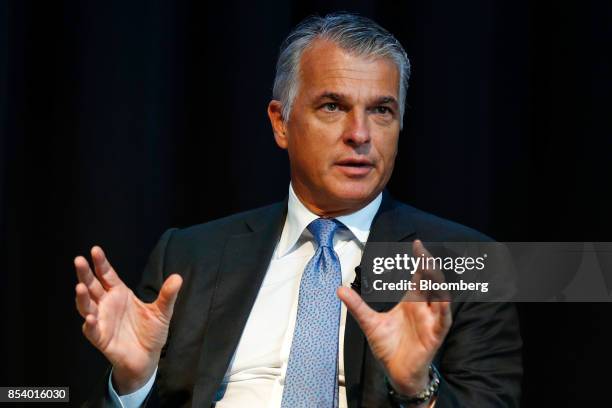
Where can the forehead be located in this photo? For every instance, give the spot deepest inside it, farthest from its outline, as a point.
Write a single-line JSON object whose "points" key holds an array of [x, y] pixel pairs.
{"points": [[325, 66]]}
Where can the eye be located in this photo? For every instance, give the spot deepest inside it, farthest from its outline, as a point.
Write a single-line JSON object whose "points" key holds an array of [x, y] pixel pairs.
{"points": [[382, 110], [330, 107]]}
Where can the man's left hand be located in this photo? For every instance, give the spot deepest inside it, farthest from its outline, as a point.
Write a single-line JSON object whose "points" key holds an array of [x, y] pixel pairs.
{"points": [[405, 338]]}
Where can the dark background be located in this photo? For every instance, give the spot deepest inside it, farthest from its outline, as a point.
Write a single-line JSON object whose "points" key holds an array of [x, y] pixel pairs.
{"points": [[120, 119]]}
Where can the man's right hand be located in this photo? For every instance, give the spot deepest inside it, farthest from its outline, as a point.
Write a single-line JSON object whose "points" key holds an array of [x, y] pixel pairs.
{"points": [[129, 332]]}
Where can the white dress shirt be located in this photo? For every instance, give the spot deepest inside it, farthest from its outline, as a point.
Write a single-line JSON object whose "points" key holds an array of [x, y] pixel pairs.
{"points": [[256, 374]]}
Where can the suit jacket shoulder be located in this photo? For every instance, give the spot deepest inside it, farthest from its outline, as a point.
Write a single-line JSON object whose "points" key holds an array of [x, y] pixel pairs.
{"points": [[431, 227]]}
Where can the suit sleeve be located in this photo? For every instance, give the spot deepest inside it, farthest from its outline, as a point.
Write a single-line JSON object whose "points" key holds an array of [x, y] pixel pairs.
{"points": [[480, 361], [150, 283]]}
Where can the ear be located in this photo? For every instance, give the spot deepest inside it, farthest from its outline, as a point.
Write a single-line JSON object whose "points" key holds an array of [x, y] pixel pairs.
{"points": [[275, 113]]}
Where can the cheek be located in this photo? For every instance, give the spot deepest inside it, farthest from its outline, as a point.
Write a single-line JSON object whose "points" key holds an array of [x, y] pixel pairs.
{"points": [[312, 144], [388, 150], [308, 153]]}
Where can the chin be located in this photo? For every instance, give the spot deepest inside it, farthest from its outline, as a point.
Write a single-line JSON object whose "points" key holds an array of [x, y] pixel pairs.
{"points": [[354, 192]]}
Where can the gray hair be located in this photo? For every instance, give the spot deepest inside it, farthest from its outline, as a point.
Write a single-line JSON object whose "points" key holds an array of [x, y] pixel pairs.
{"points": [[356, 34]]}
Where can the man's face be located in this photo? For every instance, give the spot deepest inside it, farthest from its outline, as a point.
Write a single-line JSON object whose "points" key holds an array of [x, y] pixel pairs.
{"points": [[343, 129]]}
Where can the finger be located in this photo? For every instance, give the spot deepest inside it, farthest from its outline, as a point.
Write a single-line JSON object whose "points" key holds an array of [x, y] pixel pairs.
{"points": [[419, 249], [91, 330], [429, 273], [365, 316], [444, 321], [86, 276], [84, 303], [168, 294], [104, 271], [440, 308], [417, 294]]}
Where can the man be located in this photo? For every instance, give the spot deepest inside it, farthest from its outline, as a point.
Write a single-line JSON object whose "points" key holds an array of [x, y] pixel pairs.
{"points": [[247, 311]]}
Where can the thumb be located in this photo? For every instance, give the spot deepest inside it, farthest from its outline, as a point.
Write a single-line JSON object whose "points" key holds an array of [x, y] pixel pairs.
{"points": [[365, 316], [167, 295]]}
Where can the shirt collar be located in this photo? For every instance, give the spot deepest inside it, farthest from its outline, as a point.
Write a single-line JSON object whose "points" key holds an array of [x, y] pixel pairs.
{"points": [[298, 218]]}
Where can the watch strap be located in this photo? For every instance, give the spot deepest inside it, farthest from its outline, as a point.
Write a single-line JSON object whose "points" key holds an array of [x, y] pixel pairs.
{"points": [[430, 390]]}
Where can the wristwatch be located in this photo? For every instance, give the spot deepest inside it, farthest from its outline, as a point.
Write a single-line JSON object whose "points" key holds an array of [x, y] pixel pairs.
{"points": [[423, 396]]}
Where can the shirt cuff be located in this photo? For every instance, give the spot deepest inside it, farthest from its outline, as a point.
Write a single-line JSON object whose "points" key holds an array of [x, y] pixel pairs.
{"points": [[133, 400]]}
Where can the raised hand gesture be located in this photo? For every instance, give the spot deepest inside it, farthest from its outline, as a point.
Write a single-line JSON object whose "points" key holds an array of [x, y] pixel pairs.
{"points": [[406, 338], [129, 332]]}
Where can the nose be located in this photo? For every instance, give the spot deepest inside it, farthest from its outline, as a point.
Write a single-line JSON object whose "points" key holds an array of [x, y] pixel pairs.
{"points": [[357, 131]]}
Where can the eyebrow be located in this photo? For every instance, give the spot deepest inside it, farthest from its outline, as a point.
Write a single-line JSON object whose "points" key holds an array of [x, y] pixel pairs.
{"points": [[385, 100], [338, 97]]}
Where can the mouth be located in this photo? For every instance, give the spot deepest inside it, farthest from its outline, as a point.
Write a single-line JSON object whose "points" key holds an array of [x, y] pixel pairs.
{"points": [[355, 167]]}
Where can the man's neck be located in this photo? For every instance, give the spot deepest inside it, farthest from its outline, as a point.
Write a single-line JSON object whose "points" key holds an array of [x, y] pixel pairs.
{"points": [[331, 210]]}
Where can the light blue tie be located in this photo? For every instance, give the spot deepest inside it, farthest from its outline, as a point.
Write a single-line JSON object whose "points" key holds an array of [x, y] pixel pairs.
{"points": [[312, 376]]}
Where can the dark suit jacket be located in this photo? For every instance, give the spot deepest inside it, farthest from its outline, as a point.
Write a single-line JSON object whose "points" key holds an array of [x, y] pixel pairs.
{"points": [[223, 264]]}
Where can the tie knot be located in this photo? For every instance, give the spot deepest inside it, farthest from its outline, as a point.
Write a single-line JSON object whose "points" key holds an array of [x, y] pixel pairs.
{"points": [[323, 231]]}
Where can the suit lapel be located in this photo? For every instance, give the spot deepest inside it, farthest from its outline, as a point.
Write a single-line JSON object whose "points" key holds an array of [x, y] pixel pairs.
{"points": [[389, 225], [243, 266]]}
